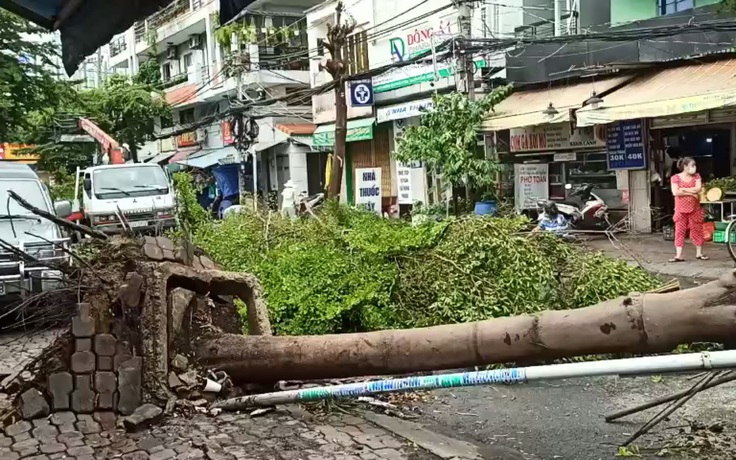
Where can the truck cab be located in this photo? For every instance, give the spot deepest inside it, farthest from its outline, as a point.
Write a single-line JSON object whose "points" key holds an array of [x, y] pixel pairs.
{"points": [[141, 193], [30, 233]]}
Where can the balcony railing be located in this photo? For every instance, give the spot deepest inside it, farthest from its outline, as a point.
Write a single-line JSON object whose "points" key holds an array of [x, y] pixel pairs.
{"points": [[158, 19], [117, 46]]}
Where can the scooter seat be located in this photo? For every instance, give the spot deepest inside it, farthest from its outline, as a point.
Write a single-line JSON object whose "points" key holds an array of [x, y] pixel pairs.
{"points": [[568, 203]]}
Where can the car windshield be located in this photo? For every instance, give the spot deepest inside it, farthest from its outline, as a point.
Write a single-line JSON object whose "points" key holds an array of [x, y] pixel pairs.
{"points": [[144, 180], [28, 189]]}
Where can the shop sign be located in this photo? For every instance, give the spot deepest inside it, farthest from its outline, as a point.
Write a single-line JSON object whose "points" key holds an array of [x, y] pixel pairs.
{"points": [[626, 145], [187, 139], [416, 74], [227, 133], [361, 93], [323, 108], [559, 136], [401, 111], [368, 189], [403, 179], [531, 184], [565, 156], [18, 152], [413, 42]]}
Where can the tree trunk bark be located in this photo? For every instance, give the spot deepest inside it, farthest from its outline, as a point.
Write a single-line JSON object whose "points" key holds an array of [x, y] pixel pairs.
{"points": [[638, 323]]}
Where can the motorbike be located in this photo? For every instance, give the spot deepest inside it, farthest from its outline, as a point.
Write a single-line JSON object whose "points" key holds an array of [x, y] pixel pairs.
{"points": [[584, 209]]}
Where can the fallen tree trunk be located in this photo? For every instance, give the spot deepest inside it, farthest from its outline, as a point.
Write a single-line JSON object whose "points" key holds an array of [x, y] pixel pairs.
{"points": [[638, 323]]}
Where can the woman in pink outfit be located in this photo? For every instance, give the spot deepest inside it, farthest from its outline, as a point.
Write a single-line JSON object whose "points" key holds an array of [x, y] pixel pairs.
{"points": [[689, 215]]}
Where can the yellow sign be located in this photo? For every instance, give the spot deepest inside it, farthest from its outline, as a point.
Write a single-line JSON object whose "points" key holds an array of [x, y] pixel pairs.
{"points": [[20, 153]]}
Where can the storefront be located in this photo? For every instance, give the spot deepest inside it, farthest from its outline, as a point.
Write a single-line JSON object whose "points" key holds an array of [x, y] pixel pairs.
{"points": [[411, 179], [687, 114]]}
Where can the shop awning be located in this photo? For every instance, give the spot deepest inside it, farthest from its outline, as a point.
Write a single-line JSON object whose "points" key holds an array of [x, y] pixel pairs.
{"points": [[266, 140], [160, 157], [358, 130], [210, 157], [526, 108], [183, 154], [674, 91]]}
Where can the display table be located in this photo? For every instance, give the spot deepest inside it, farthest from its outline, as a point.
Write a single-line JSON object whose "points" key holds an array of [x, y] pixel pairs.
{"points": [[727, 208]]}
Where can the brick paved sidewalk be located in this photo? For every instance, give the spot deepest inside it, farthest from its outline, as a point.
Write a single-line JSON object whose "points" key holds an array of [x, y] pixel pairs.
{"points": [[19, 348], [287, 434]]}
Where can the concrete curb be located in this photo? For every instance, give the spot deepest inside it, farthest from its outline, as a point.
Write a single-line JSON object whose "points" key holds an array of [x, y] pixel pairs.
{"points": [[437, 444]]}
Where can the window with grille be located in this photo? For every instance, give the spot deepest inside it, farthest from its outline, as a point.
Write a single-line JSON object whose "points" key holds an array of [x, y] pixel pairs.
{"points": [[355, 53]]}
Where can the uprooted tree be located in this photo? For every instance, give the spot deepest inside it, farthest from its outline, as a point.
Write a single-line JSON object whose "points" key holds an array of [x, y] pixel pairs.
{"points": [[160, 301]]}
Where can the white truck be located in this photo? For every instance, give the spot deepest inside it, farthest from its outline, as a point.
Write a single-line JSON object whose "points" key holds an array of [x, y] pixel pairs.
{"points": [[139, 194]]}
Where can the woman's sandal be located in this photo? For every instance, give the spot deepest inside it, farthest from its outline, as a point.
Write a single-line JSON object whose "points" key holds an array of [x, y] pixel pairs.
{"points": [[702, 257], [676, 259]]}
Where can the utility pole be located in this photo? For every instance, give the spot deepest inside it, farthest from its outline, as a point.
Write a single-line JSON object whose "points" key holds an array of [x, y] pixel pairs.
{"points": [[336, 38], [98, 78], [465, 67]]}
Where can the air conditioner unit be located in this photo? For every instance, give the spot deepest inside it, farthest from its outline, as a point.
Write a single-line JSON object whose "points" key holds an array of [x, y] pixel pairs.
{"points": [[195, 42], [171, 53]]}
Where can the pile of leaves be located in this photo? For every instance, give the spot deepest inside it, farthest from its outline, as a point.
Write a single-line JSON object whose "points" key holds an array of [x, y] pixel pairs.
{"points": [[352, 271]]}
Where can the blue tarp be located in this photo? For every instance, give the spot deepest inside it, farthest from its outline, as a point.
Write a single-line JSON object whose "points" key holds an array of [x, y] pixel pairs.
{"points": [[226, 177]]}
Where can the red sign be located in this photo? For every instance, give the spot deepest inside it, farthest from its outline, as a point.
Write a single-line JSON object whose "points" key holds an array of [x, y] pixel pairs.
{"points": [[187, 139], [227, 133]]}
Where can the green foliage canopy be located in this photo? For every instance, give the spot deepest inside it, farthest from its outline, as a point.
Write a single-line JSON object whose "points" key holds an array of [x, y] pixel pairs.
{"points": [[446, 139]]}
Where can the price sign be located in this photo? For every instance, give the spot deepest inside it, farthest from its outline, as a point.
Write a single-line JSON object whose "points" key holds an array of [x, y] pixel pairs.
{"points": [[625, 145]]}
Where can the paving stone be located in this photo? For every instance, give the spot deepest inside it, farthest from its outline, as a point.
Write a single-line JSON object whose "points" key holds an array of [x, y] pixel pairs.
{"points": [[107, 420], [40, 422], [33, 404], [22, 437], [143, 417], [165, 454], [68, 437], [53, 448], [120, 358], [60, 386], [96, 441], [5, 441], [87, 424], [105, 345], [28, 443], [83, 397], [105, 363], [83, 362], [18, 428], [83, 344], [62, 418], [105, 385], [67, 428], [79, 451], [7, 454], [390, 441], [46, 433], [389, 454], [129, 385], [137, 455], [83, 325], [28, 452]]}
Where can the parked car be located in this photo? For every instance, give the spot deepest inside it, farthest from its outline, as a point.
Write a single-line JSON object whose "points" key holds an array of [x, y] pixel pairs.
{"points": [[30, 233]]}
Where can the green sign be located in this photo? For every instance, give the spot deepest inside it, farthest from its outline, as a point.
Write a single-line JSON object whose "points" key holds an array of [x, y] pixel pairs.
{"points": [[358, 130], [423, 75]]}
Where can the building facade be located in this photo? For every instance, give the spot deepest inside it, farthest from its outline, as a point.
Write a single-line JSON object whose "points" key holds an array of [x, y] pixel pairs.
{"points": [[618, 113], [385, 33], [206, 69]]}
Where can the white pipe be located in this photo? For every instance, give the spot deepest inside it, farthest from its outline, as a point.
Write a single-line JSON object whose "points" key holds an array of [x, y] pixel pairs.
{"points": [[646, 365]]}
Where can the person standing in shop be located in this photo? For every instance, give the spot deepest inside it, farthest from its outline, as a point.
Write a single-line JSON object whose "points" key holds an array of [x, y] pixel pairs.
{"points": [[689, 215]]}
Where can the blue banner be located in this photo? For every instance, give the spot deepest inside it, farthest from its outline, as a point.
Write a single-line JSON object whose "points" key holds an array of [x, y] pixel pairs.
{"points": [[626, 146]]}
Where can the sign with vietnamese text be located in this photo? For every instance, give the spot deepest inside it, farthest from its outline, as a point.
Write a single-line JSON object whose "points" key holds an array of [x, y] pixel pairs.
{"points": [[559, 136], [626, 145], [187, 139], [402, 111], [403, 179], [368, 189], [227, 133], [531, 184]]}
